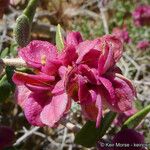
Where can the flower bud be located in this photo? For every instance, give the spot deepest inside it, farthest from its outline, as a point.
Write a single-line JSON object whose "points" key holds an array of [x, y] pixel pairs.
{"points": [[22, 30]]}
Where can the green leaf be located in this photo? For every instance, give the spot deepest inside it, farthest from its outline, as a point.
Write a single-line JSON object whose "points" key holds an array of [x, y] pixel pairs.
{"points": [[136, 119], [5, 89], [59, 38], [14, 49], [9, 74], [89, 134], [106, 123], [4, 52]]}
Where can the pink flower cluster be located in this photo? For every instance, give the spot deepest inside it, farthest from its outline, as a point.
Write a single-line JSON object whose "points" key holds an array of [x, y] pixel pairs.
{"points": [[141, 15], [85, 71], [122, 34], [143, 45]]}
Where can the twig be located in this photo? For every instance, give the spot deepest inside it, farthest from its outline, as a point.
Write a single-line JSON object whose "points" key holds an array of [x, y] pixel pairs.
{"points": [[48, 138], [73, 12], [18, 62], [103, 17], [89, 3], [27, 134], [70, 126], [64, 138], [131, 60], [142, 82]]}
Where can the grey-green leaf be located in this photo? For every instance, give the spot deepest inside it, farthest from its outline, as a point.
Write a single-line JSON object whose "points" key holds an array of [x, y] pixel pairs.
{"points": [[59, 38], [4, 52], [89, 134], [137, 118]]}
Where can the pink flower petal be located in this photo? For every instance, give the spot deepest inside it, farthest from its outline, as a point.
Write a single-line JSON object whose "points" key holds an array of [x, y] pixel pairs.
{"points": [[87, 48], [33, 108], [24, 78], [123, 93], [73, 38], [84, 70], [59, 87], [93, 110], [38, 89], [22, 93], [90, 111], [69, 55], [55, 110], [128, 82], [36, 53], [99, 106], [116, 45], [111, 48], [83, 91], [62, 71], [109, 87], [51, 67]]}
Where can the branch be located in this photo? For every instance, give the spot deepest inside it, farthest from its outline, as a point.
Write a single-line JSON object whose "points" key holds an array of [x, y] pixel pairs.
{"points": [[27, 134], [68, 125], [17, 62], [103, 17]]}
